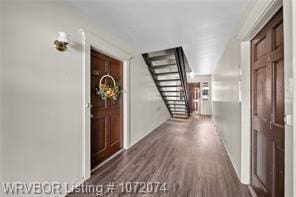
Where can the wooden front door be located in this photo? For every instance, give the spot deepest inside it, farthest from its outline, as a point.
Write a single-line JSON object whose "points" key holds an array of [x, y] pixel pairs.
{"points": [[106, 115], [268, 110], [194, 97]]}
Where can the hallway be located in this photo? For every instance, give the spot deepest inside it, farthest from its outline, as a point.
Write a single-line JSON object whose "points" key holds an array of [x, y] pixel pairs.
{"points": [[100, 98], [187, 155]]}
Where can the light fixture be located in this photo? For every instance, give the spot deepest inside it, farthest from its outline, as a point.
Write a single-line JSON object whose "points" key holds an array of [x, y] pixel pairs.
{"points": [[61, 43]]}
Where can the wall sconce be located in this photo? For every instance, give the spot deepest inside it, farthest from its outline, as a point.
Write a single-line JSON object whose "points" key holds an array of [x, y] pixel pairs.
{"points": [[61, 43]]}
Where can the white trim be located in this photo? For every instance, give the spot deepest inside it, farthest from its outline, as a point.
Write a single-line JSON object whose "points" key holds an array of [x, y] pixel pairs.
{"points": [[292, 22], [146, 134], [294, 90], [234, 164], [245, 112], [126, 104], [261, 13], [92, 40], [289, 61]]}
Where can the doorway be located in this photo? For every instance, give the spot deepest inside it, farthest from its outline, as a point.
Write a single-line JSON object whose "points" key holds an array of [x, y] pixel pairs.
{"points": [[194, 98], [106, 114], [267, 109]]}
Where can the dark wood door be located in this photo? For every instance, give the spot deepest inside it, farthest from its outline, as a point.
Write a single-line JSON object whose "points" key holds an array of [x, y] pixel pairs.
{"points": [[194, 97], [268, 110], [106, 115]]}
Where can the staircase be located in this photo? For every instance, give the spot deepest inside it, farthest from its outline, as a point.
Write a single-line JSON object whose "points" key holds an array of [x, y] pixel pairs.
{"points": [[168, 69]]}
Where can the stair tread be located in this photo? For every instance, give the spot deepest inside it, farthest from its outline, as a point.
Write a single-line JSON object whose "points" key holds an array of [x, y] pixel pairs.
{"points": [[173, 96], [170, 91], [166, 73], [173, 100], [169, 86], [161, 57], [163, 66], [161, 80], [181, 117], [180, 109]]}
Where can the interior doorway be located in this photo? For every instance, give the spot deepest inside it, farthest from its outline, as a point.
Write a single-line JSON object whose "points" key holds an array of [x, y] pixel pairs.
{"points": [[267, 106], [106, 114], [194, 98]]}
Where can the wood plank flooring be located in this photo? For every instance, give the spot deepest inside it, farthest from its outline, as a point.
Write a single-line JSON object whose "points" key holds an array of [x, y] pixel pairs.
{"points": [[187, 155]]}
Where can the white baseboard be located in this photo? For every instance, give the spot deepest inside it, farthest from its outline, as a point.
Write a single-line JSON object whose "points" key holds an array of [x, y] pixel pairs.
{"points": [[138, 140], [234, 164]]}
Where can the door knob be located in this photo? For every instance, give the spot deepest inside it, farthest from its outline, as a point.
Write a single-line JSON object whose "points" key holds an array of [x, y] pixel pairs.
{"points": [[91, 116]]}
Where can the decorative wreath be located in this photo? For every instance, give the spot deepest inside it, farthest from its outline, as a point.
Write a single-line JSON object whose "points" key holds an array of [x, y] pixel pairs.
{"points": [[107, 91]]}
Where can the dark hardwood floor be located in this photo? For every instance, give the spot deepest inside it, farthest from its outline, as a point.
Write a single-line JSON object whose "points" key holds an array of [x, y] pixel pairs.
{"points": [[187, 155]]}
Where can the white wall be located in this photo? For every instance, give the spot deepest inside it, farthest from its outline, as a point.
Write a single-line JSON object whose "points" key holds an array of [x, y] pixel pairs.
{"points": [[147, 107], [41, 90], [206, 105], [226, 101]]}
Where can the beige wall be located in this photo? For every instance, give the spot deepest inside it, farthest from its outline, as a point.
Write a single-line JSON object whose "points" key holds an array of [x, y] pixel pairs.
{"points": [[42, 95]]}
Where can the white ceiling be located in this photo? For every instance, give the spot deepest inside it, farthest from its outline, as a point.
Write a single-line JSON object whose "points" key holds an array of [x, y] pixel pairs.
{"points": [[201, 27]]}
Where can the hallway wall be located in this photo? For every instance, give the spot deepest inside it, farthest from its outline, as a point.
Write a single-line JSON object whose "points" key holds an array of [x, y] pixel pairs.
{"points": [[42, 93], [227, 103], [257, 11]]}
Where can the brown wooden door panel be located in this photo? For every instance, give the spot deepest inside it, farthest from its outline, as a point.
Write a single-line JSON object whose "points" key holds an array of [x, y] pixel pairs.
{"points": [[106, 122], [279, 92], [260, 46], [194, 97], [115, 136], [262, 99], [267, 175], [99, 138], [115, 104], [278, 174], [97, 103], [114, 71], [260, 142]]}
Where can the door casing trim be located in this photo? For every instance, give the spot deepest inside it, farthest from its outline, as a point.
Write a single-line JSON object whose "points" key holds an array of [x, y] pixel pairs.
{"points": [[91, 40], [259, 16]]}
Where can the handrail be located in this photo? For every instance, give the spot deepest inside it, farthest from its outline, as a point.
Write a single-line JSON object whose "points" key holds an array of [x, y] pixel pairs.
{"points": [[180, 60]]}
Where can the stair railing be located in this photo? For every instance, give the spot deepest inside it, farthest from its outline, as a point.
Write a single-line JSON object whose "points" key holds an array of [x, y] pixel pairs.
{"points": [[181, 63]]}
